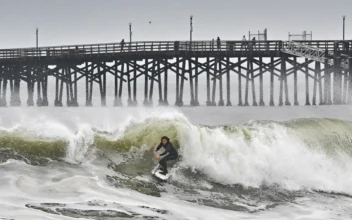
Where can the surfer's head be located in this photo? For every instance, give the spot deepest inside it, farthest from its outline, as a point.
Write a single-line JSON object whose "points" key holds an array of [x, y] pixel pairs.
{"points": [[164, 140]]}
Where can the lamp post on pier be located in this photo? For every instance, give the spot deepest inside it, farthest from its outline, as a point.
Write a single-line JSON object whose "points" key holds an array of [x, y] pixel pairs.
{"points": [[130, 27], [36, 37], [343, 27], [36, 33], [191, 31]]}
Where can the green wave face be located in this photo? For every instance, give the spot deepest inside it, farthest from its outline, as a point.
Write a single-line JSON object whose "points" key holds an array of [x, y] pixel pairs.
{"points": [[330, 135], [147, 134], [33, 146], [32, 150]]}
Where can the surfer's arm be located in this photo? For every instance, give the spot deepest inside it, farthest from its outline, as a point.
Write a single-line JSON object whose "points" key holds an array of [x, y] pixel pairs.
{"points": [[164, 153], [158, 147]]}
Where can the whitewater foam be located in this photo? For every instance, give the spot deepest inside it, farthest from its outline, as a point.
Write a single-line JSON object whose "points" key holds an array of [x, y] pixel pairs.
{"points": [[272, 155]]}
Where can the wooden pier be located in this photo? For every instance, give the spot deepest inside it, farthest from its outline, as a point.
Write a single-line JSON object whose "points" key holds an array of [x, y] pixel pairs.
{"points": [[157, 62]]}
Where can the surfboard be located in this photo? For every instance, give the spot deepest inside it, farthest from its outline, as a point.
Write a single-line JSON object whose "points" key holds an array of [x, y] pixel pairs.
{"points": [[157, 173]]}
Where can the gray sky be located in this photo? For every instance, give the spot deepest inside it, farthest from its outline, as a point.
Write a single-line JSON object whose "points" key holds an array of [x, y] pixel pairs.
{"points": [[100, 21]]}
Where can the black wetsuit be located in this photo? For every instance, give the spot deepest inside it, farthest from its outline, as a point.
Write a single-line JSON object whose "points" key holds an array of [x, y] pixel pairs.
{"points": [[170, 152]]}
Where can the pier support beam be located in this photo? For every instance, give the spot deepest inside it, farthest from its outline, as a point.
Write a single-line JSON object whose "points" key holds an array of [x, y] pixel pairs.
{"points": [[247, 84], [15, 97], [337, 85], [213, 103], [306, 72], [350, 79], [89, 84], [283, 71], [151, 91], [30, 87], [271, 102], [135, 102], [72, 87], [191, 87], [11, 90], [287, 101], [221, 101], [45, 88], [320, 84], [316, 70], [180, 103], [103, 92], [68, 79], [345, 84], [177, 103], [63, 79], [146, 80], [39, 86], [57, 92], [261, 92], [161, 101], [208, 102], [166, 102], [295, 81], [122, 75], [177, 80], [117, 84], [327, 83], [240, 102], [4, 90], [253, 81], [129, 89], [101, 72], [196, 102], [74, 90], [228, 83], [71, 96], [117, 100]]}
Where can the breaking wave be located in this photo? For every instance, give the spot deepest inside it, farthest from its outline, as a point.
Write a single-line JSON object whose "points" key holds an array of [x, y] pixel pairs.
{"points": [[295, 155]]}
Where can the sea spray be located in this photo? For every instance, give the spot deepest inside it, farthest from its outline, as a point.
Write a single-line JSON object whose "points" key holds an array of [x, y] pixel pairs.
{"points": [[79, 145]]}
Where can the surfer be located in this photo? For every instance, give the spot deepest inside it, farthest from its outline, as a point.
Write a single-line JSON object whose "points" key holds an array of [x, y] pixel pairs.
{"points": [[170, 153]]}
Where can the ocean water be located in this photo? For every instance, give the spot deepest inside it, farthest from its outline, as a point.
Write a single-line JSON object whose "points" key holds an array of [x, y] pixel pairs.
{"points": [[235, 163]]}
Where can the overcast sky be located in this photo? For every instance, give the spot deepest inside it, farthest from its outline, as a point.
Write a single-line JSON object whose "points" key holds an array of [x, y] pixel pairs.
{"points": [[99, 21]]}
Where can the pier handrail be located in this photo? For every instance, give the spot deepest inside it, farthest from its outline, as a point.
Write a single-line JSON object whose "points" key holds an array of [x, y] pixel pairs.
{"points": [[140, 48]]}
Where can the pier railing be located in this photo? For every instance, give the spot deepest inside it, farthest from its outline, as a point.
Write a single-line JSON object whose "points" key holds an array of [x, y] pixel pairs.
{"points": [[140, 48]]}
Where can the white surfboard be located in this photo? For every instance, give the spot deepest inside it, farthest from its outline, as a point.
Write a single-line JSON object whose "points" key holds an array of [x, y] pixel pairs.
{"points": [[157, 173]]}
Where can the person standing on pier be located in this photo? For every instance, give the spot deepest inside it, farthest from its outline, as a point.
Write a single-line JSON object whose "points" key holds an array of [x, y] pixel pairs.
{"points": [[244, 42], [218, 43], [253, 43], [122, 44], [212, 44]]}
